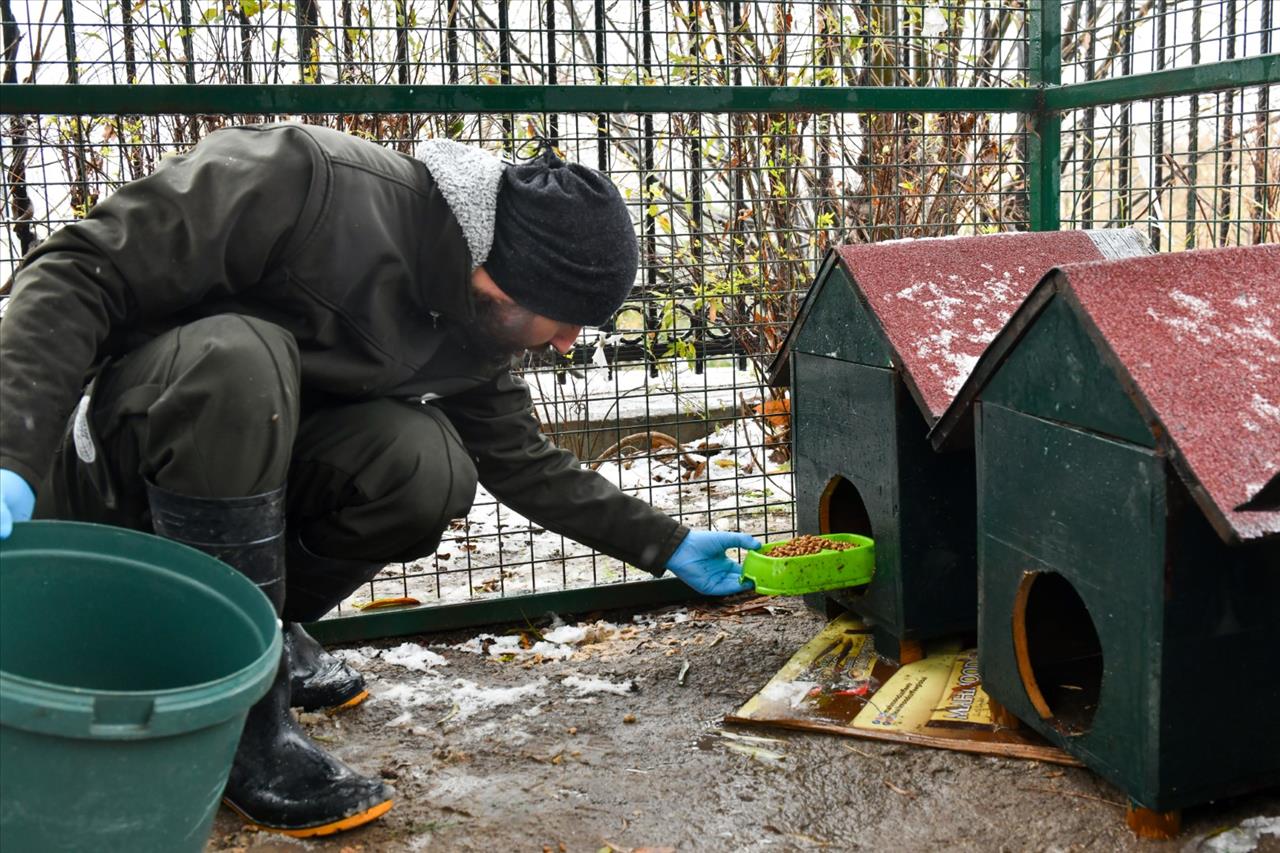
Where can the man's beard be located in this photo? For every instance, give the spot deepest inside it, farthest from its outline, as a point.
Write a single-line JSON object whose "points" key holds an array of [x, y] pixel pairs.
{"points": [[495, 333]]}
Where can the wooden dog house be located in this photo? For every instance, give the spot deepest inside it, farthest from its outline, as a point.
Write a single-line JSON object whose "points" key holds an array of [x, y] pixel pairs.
{"points": [[884, 339], [1126, 426]]}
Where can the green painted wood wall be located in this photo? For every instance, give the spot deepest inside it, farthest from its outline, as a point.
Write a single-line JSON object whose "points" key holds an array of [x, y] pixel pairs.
{"points": [[1070, 483], [854, 418]]}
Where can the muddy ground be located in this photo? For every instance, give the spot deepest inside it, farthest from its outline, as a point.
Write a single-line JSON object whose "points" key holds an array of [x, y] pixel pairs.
{"points": [[565, 769]]}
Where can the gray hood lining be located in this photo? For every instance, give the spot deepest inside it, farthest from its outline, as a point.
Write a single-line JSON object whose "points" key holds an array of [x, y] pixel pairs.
{"points": [[469, 178]]}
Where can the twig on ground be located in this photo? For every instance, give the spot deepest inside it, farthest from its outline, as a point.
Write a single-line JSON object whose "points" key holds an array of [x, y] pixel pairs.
{"points": [[862, 752], [897, 790], [1074, 794]]}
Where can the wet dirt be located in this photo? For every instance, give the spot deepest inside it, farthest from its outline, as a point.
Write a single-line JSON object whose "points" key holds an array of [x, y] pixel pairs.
{"points": [[560, 770]]}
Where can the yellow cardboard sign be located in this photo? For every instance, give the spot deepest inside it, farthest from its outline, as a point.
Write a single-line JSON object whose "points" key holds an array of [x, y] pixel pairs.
{"points": [[837, 683], [963, 701], [836, 662], [907, 700]]}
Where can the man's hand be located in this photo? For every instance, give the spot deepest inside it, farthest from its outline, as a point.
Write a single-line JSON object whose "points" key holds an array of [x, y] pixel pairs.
{"points": [[17, 501], [700, 562]]}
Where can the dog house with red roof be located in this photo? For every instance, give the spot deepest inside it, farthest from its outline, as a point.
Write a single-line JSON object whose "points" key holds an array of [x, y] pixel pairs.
{"points": [[883, 341], [1126, 426]]}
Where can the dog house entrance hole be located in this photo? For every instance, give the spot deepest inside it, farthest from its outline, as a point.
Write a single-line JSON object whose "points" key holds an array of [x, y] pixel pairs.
{"points": [[1058, 652], [842, 509]]}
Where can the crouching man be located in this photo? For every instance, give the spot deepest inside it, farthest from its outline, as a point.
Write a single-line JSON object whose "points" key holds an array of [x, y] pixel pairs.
{"points": [[290, 304]]}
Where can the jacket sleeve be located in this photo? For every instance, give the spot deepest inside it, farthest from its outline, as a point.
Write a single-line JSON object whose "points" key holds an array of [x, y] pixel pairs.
{"points": [[548, 485], [215, 218]]}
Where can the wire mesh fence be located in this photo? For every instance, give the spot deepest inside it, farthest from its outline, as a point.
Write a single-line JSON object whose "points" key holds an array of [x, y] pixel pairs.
{"points": [[669, 399], [1104, 39], [1194, 171], [733, 209], [738, 42]]}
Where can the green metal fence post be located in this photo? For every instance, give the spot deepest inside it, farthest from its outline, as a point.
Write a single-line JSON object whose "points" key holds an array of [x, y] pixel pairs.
{"points": [[1044, 145]]}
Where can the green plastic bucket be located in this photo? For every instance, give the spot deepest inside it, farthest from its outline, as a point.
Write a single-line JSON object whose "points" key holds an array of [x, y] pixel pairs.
{"points": [[127, 666]]}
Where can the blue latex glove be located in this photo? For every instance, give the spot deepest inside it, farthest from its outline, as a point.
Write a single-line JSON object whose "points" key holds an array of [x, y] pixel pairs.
{"points": [[17, 501], [700, 562]]}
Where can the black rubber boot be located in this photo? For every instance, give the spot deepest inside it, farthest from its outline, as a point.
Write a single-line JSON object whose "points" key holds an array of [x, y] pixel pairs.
{"points": [[245, 533], [317, 679], [316, 585], [280, 780]]}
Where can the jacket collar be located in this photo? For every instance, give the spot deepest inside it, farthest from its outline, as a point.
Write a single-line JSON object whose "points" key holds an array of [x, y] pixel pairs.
{"points": [[444, 258]]}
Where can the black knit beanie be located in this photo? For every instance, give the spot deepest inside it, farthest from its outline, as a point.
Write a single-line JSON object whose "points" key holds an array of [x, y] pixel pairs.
{"points": [[563, 243]]}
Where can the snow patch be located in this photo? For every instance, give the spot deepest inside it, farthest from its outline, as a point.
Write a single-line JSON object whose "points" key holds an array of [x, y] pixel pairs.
{"points": [[1197, 306], [357, 658], [557, 644], [1264, 407], [412, 656], [566, 634], [1243, 838], [587, 686], [467, 697]]}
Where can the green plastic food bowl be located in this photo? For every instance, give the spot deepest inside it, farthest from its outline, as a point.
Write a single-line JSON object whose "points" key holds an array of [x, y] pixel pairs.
{"points": [[812, 572]]}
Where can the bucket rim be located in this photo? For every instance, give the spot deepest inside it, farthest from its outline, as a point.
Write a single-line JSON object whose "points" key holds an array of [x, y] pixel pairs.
{"points": [[44, 707], [36, 705], [52, 687]]}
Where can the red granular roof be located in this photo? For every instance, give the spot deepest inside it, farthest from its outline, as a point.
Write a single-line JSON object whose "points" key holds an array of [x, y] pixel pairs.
{"points": [[940, 301], [1199, 335]]}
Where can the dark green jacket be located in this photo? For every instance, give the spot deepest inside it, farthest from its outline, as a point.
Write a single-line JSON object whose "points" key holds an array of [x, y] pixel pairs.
{"points": [[347, 245]]}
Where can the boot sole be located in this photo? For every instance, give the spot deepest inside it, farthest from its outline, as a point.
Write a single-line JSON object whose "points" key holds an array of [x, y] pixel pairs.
{"points": [[349, 822], [350, 703], [344, 705]]}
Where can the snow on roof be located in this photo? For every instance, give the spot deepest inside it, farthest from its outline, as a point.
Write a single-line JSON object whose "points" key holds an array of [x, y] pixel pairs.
{"points": [[940, 301], [1199, 335]]}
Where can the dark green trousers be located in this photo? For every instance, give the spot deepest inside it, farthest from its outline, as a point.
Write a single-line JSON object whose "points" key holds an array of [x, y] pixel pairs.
{"points": [[218, 408]]}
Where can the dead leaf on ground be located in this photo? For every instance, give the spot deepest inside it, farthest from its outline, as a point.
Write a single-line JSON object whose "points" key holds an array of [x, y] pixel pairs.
{"points": [[763, 602], [380, 603]]}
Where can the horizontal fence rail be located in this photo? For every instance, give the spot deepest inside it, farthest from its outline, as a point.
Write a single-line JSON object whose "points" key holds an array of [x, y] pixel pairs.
{"points": [[67, 99]]}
